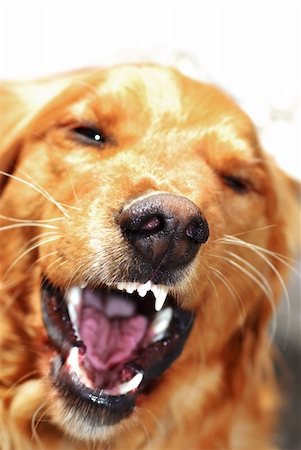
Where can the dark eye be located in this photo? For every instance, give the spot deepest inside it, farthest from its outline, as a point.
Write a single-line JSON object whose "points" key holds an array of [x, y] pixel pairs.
{"points": [[237, 184], [90, 136]]}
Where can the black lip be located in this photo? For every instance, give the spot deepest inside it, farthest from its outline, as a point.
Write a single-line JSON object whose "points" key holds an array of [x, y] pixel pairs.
{"points": [[96, 408], [152, 361]]}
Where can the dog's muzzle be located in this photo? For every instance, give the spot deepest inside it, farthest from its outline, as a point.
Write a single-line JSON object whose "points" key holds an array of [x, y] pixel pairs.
{"points": [[113, 342]]}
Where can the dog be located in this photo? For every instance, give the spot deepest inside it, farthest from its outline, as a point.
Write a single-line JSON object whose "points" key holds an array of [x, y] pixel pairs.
{"points": [[145, 237]]}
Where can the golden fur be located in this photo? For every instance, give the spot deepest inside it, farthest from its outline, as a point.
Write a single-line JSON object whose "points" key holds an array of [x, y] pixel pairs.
{"points": [[168, 134]]}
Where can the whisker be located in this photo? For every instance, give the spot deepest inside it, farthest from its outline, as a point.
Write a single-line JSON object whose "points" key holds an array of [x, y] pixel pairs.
{"points": [[36, 238], [280, 279], [60, 205], [4, 308], [14, 219], [261, 253], [255, 229], [258, 283], [55, 262], [228, 239], [43, 257], [37, 189], [70, 206], [215, 290], [64, 205], [155, 419], [256, 271], [35, 421], [75, 272], [33, 247], [280, 258], [230, 288], [32, 240], [32, 224], [72, 187], [250, 275], [19, 381]]}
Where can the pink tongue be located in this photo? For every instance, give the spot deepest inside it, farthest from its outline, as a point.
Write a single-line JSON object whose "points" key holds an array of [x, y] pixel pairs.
{"points": [[110, 341]]}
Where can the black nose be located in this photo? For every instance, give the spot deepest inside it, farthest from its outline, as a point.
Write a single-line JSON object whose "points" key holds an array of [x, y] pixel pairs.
{"points": [[164, 229]]}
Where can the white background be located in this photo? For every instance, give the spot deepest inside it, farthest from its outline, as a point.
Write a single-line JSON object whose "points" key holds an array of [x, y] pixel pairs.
{"points": [[250, 48]]}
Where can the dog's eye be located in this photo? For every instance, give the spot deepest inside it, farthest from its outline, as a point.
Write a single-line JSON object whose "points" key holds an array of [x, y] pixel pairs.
{"points": [[237, 184], [89, 135]]}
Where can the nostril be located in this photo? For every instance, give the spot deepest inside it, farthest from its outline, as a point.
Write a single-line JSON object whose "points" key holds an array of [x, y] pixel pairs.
{"points": [[136, 224], [153, 224], [198, 230]]}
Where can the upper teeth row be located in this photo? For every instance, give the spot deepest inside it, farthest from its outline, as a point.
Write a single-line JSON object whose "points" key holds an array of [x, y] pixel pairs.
{"points": [[160, 292]]}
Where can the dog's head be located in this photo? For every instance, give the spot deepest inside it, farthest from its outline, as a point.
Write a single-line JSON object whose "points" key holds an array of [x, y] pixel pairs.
{"points": [[145, 226]]}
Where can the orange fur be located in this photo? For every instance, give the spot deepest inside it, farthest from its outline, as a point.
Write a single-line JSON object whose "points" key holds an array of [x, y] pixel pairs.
{"points": [[168, 134]]}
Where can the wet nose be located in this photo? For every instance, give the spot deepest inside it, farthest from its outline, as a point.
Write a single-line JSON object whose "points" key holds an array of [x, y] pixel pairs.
{"points": [[164, 229]]}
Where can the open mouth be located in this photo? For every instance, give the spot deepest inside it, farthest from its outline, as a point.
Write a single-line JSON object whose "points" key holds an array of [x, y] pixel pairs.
{"points": [[111, 344]]}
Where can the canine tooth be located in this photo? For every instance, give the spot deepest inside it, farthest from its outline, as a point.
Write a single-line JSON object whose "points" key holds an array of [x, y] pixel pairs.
{"points": [[73, 359], [130, 385], [161, 321], [83, 285], [73, 362], [73, 296], [144, 288], [160, 294], [73, 317], [160, 324]]}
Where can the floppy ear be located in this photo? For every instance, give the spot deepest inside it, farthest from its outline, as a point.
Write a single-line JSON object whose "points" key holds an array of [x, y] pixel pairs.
{"points": [[20, 103], [287, 206], [11, 115]]}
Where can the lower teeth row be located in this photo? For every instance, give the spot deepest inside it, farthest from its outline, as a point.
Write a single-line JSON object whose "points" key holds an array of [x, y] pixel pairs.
{"points": [[121, 389]]}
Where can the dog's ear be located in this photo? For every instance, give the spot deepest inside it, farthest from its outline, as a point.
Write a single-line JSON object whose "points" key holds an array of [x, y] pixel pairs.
{"points": [[287, 205], [12, 114], [20, 103]]}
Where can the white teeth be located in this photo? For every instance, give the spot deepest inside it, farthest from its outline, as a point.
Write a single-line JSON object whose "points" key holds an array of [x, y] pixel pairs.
{"points": [[130, 287], [120, 286], [161, 323], [73, 362], [160, 292], [144, 288], [124, 388], [83, 285], [73, 359], [130, 385], [74, 295], [73, 317]]}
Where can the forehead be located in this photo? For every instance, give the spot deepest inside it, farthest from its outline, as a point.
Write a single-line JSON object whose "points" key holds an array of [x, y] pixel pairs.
{"points": [[168, 101], [155, 87]]}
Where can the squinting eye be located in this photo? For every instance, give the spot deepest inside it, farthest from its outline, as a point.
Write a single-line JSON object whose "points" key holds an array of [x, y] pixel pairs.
{"points": [[90, 136], [237, 184]]}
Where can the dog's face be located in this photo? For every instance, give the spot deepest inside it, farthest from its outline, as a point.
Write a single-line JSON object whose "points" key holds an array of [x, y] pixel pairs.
{"points": [[153, 214]]}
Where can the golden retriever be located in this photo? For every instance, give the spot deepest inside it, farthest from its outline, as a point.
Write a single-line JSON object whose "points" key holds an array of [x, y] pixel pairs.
{"points": [[144, 242]]}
